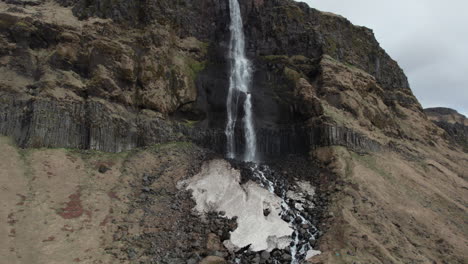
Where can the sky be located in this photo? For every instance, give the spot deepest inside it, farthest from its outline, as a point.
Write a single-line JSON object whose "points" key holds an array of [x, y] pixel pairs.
{"points": [[428, 39]]}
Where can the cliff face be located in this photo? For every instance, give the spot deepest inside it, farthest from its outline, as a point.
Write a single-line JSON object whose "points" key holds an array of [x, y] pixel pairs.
{"points": [[91, 84], [135, 74], [117, 75], [454, 124]]}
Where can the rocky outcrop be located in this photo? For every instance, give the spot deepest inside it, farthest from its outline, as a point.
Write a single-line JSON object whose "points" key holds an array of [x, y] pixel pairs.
{"points": [[454, 124], [93, 85], [89, 124]]}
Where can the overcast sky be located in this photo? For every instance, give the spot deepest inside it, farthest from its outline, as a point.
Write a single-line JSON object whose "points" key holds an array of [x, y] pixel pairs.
{"points": [[428, 38]]}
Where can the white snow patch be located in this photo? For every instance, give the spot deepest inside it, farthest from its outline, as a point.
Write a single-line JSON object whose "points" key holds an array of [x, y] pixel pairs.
{"points": [[217, 188]]}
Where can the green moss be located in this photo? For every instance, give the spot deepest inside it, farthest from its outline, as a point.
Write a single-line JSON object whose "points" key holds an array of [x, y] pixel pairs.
{"points": [[21, 24], [196, 67], [298, 59], [188, 66], [204, 46], [25, 25], [8, 22], [292, 12], [190, 123], [295, 13], [275, 58], [332, 46], [349, 65], [291, 74], [170, 146], [335, 114]]}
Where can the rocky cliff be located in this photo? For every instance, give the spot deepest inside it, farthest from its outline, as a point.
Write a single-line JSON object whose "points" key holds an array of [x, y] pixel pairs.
{"points": [[115, 76], [119, 76], [454, 124]]}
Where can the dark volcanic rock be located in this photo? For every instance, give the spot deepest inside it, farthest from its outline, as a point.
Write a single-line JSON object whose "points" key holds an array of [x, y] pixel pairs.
{"points": [[90, 124], [159, 73], [454, 124]]}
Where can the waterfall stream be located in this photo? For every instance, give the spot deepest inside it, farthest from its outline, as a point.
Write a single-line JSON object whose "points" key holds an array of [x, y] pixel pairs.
{"points": [[300, 247], [239, 96], [239, 89]]}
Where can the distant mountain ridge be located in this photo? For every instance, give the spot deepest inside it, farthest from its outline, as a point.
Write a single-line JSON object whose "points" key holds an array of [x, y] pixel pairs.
{"points": [[454, 123]]}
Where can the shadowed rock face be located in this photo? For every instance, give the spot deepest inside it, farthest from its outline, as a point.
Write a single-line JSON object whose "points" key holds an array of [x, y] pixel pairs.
{"points": [[285, 41]]}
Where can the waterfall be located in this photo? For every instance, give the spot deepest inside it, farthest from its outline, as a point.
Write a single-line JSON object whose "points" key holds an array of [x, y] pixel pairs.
{"points": [[239, 97], [239, 89]]}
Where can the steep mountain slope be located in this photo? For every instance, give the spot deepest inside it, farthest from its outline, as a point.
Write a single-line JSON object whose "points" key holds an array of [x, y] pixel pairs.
{"points": [[67, 206], [117, 76]]}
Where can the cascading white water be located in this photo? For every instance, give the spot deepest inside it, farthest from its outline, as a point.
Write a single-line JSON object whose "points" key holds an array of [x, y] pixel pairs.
{"points": [[298, 249], [239, 88]]}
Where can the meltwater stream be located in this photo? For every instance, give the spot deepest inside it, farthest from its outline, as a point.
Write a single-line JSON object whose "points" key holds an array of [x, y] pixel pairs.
{"points": [[304, 230], [239, 89]]}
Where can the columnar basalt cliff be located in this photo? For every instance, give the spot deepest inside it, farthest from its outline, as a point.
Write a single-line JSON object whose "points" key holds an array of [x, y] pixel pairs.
{"points": [[146, 83]]}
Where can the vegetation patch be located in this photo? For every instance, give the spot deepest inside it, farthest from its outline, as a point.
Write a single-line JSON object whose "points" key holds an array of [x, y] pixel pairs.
{"points": [[190, 123], [196, 67], [292, 12], [334, 114], [370, 162], [275, 58], [171, 145], [292, 75], [109, 157], [332, 46]]}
